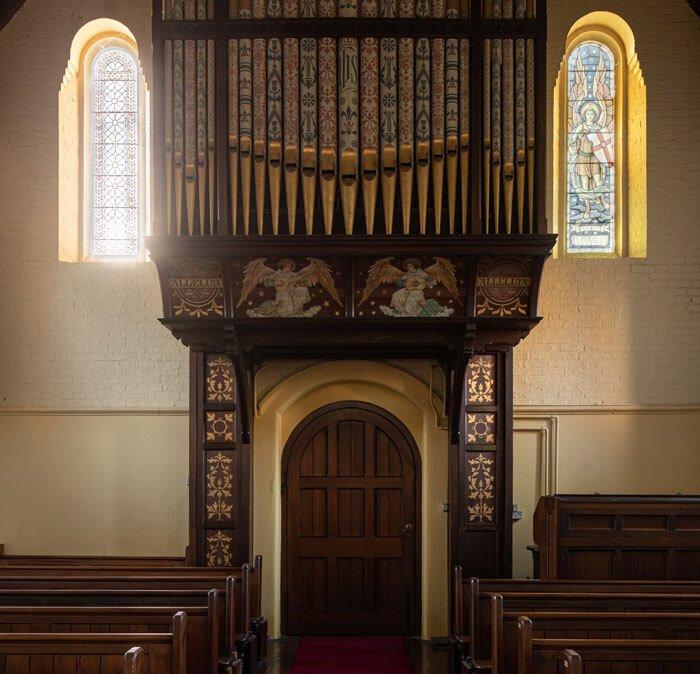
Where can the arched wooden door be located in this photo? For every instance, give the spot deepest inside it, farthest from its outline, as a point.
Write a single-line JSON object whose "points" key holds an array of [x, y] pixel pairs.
{"points": [[351, 496]]}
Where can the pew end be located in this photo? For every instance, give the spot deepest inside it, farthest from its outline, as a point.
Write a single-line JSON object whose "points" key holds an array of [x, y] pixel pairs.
{"points": [[134, 660]]}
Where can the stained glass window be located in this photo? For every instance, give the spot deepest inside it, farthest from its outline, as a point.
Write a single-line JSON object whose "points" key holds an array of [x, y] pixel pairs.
{"points": [[591, 166], [114, 221]]}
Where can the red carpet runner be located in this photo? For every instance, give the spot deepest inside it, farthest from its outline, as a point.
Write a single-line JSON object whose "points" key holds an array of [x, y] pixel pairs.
{"points": [[352, 655]]}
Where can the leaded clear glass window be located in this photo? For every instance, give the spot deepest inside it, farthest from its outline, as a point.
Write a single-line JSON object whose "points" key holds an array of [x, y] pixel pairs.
{"points": [[591, 164], [115, 180]]}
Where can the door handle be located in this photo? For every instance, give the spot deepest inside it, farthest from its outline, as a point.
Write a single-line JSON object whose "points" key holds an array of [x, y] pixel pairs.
{"points": [[407, 529]]}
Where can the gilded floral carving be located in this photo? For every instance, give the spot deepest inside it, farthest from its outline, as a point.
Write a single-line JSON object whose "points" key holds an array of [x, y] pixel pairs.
{"points": [[481, 497], [219, 549], [481, 428], [219, 485], [219, 426], [481, 385], [219, 379]]}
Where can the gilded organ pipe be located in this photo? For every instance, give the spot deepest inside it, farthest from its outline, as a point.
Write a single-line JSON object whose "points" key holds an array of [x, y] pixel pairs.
{"points": [[233, 102], [520, 119], [464, 130], [389, 118], [328, 116], [452, 116], [274, 115], [406, 133], [309, 117], [259, 116], [348, 117], [202, 116], [437, 107], [423, 118], [369, 113], [245, 65], [290, 59]]}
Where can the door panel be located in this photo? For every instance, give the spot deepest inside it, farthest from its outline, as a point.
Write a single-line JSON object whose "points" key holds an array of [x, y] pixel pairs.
{"points": [[350, 559]]}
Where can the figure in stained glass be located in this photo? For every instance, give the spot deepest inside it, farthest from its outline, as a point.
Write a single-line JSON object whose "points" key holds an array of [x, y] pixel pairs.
{"points": [[591, 149]]}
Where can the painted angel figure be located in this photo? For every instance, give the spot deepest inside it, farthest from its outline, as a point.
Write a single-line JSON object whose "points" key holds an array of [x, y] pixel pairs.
{"points": [[409, 299], [591, 144], [291, 287]]}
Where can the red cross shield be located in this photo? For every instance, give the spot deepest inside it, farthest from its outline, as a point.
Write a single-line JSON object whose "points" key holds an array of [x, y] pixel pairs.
{"points": [[603, 147]]}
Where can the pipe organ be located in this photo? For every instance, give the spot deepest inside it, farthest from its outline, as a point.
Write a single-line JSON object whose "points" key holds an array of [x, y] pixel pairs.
{"points": [[311, 159], [349, 117]]}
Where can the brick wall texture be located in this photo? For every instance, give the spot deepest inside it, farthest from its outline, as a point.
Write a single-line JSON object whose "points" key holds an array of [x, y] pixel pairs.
{"points": [[86, 336]]}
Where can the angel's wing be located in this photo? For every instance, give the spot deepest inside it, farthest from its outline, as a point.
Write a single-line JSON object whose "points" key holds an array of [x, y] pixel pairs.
{"points": [[577, 93], [317, 271], [601, 90], [443, 271], [382, 271], [254, 273]]}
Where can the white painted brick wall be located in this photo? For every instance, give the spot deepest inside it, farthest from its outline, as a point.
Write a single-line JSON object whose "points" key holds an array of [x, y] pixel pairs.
{"points": [[626, 331], [86, 335]]}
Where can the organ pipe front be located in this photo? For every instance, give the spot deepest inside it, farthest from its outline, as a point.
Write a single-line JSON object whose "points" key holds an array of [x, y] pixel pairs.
{"points": [[349, 117]]}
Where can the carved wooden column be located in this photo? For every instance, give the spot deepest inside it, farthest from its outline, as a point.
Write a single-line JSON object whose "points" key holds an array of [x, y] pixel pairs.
{"points": [[481, 525], [219, 465]]}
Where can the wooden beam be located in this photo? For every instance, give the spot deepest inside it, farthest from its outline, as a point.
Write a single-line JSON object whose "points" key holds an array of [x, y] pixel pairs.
{"points": [[8, 9]]}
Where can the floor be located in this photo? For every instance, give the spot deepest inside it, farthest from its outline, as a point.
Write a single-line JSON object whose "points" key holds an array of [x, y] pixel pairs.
{"points": [[427, 657]]}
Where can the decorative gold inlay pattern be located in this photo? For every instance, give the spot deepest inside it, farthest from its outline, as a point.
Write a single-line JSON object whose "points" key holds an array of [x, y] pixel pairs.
{"points": [[481, 428], [219, 427], [503, 287], [219, 487], [481, 496], [219, 379], [219, 549], [197, 290], [481, 381]]}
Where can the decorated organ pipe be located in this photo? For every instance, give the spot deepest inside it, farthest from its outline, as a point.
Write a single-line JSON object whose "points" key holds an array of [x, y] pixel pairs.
{"points": [[290, 60], [309, 117], [245, 93], [423, 118], [274, 116], [259, 116], [375, 130], [369, 113], [328, 116], [348, 117], [406, 132], [388, 68], [233, 126], [452, 116]]}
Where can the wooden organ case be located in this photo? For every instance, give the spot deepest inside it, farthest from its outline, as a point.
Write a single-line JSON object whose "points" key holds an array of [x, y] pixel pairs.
{"points": [[350, 179]]}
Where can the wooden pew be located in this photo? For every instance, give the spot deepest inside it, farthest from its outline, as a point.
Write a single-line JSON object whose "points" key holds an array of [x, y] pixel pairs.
{"points": [[472, 607], [203, 629], [133, 576], [134, 661], [505, 628], [622, 537], [111, 597], [259, 623], [48, 653], [632, 656]]}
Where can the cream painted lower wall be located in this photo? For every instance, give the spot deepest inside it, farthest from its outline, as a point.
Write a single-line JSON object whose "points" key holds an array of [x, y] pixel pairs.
{"points": [[623, 450], [114, 484], [93, 483]]}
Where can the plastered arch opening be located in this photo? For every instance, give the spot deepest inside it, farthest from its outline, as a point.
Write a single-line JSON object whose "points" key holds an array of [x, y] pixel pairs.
{"points": [[406, 398]]}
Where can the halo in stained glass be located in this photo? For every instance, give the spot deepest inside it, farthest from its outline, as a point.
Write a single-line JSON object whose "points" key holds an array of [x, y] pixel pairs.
{"points": [[115, 155], [590, 199]]}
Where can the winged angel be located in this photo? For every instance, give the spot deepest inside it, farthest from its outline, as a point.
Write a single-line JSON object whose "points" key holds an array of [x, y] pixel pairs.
{"points": [[409, 299], [291, 287], [591, 145]]}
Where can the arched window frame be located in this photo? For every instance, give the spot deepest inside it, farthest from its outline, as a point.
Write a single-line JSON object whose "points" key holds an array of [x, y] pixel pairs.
{"points": [[92, 50], [75, 142], [630, 138]]}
